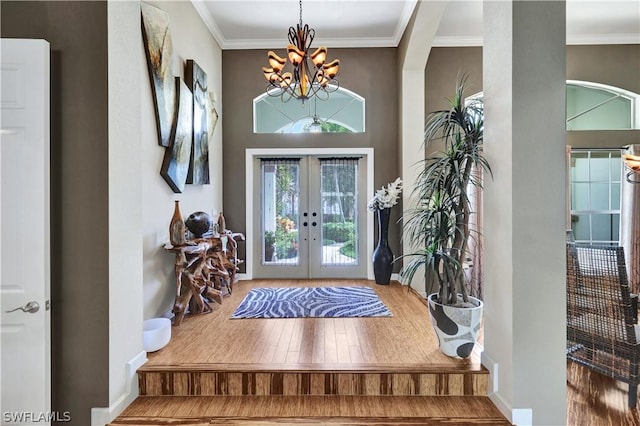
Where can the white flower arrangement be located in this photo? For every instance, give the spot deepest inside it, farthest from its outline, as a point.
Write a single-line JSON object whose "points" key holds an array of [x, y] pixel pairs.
{"points": [[386, 197]]}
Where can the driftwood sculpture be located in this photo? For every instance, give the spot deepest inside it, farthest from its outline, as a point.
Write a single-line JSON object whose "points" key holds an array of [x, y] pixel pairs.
{"points": [[205, 271]]}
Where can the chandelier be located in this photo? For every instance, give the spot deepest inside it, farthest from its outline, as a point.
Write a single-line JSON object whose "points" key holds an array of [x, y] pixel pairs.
{"points": [[308, 79]]}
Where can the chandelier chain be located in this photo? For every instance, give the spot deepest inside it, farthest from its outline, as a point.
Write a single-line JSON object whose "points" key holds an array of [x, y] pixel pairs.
{"points": [[300, 12]]}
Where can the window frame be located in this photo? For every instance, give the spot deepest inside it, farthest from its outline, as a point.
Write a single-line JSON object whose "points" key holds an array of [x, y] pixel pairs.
{"points": [[611, 181]]}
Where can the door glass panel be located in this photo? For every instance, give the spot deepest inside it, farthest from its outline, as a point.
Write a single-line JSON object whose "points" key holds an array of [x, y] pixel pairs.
{"points": [[581, 225], [595, 195], [579, 167], [280, 211], [580, 196], [339, 211], [600, 196], [604, 227]]}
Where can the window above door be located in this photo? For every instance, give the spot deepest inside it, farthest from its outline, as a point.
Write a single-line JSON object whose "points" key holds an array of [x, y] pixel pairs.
{"points": [[343, 112], [595, 106]]}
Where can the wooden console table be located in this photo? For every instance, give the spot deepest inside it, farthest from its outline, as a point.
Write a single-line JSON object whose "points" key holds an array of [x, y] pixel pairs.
{"points": [[205, 269]]}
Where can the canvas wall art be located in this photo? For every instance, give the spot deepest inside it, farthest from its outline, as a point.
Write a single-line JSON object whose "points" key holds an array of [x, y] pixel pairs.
{"points": [[159, 51], [196, 80], [213, 114], [175, 165]]}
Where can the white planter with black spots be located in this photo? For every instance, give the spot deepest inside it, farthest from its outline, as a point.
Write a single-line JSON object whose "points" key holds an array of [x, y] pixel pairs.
{"points": [[456, 327]]}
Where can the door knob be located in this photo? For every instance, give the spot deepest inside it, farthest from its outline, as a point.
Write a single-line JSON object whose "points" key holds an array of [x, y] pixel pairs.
{"points": [[31, 308]]}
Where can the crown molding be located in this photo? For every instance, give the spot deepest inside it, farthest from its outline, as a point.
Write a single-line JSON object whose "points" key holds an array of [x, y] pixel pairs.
{"points": [[455, 41], [578, 39], [247, 44], [393, 41], [575, 39], [203, 12], [405, 17], [327, 42]]}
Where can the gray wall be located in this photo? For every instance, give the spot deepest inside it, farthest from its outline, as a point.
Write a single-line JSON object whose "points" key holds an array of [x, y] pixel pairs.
{"points": [[615, 65], [444, 66], [77, 32], [372, 73]]}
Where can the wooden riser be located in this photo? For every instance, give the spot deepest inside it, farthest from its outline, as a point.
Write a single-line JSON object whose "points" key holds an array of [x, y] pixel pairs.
{"points": [[279, 421], [184, 383], [312, 410]]}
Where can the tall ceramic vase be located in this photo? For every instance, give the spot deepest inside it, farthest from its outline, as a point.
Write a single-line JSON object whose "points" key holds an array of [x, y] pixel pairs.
{"points": [[177, 229], [382, 255]]}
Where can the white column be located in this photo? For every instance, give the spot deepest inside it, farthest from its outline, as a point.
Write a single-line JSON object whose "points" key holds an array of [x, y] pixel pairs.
{"points": [[413, 114], [524, 93], [414, 52]]}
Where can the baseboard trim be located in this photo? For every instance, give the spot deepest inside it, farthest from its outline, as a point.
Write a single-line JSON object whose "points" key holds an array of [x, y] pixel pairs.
{"points": [[488, 363], [245, 276], [517, 416], [522, 417], [101, 416]]}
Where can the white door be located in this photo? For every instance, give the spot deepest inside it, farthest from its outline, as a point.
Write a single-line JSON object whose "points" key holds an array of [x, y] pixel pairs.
{"points": [[24, 233], [312, 217]]}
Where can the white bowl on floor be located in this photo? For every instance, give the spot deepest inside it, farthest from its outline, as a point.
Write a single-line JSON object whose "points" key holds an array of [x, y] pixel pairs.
{"points": [[156, 333]]}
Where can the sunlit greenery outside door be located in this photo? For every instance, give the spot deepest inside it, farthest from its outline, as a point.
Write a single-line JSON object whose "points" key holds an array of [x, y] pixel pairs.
{"points": [[280, 211], [339, 195]]}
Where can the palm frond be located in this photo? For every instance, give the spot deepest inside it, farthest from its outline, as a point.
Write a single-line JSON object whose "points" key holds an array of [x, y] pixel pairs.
{"points": [[439, 225]]}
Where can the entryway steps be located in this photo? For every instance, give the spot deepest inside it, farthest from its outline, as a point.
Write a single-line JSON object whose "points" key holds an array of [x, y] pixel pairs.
{"points": [[238, 380], [311, 410]]}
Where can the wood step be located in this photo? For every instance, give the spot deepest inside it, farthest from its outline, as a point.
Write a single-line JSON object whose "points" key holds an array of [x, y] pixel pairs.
{"points": [[237, 379], [312, 410]]}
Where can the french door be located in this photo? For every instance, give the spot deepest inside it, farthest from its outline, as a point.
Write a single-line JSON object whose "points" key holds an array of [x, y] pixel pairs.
{"points": [[311, 220]]}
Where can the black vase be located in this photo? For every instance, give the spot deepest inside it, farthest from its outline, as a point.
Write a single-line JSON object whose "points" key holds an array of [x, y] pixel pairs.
{"points": [[382, 255]]}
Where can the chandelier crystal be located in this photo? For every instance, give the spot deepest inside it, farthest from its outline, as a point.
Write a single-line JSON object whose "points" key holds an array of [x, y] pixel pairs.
{"points": [[311, 75]]}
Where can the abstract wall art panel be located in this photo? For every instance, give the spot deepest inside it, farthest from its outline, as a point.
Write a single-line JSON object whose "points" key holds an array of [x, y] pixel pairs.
{"points": [[213, 114], [177, 157], [159, 51], [196, 80]]}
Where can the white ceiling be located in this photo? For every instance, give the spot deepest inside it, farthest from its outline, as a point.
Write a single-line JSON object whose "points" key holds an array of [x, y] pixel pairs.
{"points": [[260, 24]]}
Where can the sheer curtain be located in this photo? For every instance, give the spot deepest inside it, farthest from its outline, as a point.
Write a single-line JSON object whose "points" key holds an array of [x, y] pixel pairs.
{"points": [[474, 272], [630, 225]]}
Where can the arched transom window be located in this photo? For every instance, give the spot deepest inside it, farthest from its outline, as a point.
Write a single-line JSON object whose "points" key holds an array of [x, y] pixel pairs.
{"points": [[343, 112], [595, 106]]}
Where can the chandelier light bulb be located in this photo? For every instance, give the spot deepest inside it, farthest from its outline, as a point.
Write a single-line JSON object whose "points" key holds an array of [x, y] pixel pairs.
{"points": [[276, 62], [319, 56]]}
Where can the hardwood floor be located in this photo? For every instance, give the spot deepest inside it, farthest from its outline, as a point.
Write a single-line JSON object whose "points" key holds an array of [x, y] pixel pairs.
{"points": [[365, 371], [594, 399], [313, 410], [315, 343], [344, 355]]}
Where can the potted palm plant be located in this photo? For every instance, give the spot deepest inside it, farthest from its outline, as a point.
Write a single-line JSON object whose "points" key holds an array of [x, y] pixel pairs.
{"points": [[439, 226]]}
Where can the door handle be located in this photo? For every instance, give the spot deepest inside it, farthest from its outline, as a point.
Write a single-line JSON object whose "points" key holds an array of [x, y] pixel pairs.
{"points": [[31, 308]]}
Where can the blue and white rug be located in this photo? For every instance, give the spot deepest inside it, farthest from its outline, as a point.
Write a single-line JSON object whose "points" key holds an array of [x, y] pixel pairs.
{"points": [[311, 302]]}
